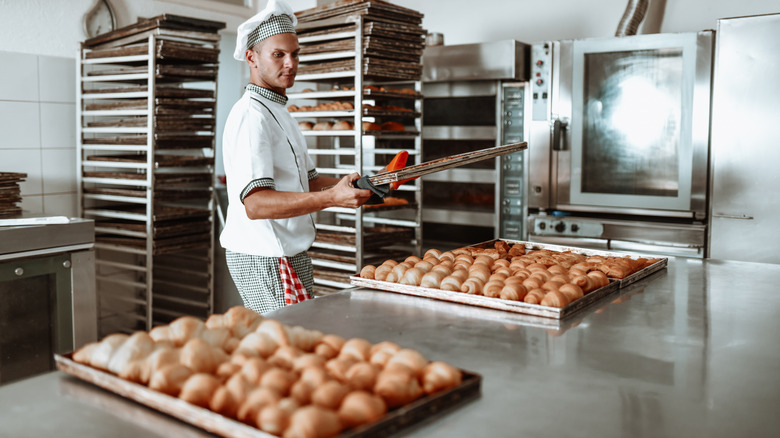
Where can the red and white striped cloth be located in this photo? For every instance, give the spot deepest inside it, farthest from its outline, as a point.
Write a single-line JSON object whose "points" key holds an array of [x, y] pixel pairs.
{"points": [[294, 292]]}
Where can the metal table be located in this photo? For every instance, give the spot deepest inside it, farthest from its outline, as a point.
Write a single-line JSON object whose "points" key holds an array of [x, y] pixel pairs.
{"points": [[688, 351]]}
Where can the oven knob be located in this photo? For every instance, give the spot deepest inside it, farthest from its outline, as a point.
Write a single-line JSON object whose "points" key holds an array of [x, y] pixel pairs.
{"points": [[575, 228], [560, 227], [539, 82], [542, 225]]}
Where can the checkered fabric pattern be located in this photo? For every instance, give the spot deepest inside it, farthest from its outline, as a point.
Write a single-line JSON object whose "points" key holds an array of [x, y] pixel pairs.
{"points": [[294, 292], [258, 279], [271, 95], [275, 25], [257, 183]]}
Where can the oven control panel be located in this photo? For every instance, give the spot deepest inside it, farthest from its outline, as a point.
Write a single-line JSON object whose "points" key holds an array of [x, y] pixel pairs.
{"points": [[560, 226], [541, 80]]}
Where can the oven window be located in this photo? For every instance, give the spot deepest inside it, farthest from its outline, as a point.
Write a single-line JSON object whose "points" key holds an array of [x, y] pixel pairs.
{"points": [[632, 117], [459, 111]]}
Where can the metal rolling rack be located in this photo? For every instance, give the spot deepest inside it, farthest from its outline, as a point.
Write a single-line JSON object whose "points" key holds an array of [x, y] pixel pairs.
{"points": [[345, 49], [146, 126]]}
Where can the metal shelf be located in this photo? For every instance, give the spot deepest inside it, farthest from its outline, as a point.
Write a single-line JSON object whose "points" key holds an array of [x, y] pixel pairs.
{"points": [[138, 224]]}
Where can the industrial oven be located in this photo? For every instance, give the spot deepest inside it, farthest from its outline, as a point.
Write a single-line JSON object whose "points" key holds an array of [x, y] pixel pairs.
{"points": [[619, 143], [476, 96]]}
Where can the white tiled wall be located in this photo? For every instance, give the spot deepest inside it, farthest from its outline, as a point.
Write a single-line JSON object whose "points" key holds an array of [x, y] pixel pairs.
{"points": [[38, 130]]}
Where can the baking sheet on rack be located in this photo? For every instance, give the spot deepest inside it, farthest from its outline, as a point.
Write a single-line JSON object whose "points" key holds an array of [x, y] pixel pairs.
{"points": [[517, 306], [422, 409]]}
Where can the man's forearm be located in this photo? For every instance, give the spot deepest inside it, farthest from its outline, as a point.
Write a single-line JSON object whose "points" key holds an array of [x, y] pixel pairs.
{"points": [[271, 204]]}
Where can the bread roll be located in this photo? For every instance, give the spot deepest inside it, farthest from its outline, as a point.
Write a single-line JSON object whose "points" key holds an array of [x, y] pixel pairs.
{"points": [[169, 379], [253, 369], [239, 320], [356, 348], [199, 356], [552, 285], [599, 277], [100, 355], [284, 356], [323, 126], [433, 252], [534, 296], [432, 279], [513, 291], [381, 272], [330, 394], [313, 422], [437, 376], [555, 298], [314, 375], [138, 346], [492, 288], [275, 330], [412, 277], [329, 346], [339, 366], [362, 375], [472, 285], [572, 291], [444, 268], [305, 126], [303, 338], [451, 283], [301, 391], [279, 380], [273, 419], [392, 126], [342, 125], [368, 272], [257, 344], [412, 359], [397, 387], [382, 352], [480, 272], [308, 360], [256, 400], [361, 407], [223, 402], [371, 126], [199, 388]]}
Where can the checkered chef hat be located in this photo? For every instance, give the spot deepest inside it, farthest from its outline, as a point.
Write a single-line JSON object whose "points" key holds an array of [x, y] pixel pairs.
{"points": [[277, 17]]}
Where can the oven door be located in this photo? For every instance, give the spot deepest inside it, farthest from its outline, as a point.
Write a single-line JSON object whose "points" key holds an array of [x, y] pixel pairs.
{"points": [[638, 136]]}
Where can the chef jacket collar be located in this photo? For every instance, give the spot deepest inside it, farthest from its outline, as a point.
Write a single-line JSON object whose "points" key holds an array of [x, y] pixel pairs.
{"points": [[269, 94]]}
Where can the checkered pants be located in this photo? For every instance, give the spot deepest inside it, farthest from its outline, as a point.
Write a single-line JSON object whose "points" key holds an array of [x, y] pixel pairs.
{"points": [[258, 280]]}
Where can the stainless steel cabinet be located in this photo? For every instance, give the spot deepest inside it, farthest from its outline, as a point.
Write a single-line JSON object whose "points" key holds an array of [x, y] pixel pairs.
{"points": [[745, 131]]}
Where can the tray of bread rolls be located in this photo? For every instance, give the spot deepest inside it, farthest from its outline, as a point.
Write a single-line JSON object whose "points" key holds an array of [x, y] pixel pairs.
{"points": [[239, 374], [524, 277]]}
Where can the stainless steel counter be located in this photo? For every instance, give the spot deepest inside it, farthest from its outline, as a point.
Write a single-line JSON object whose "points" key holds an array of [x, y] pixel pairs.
{"points": [[690, 351]]}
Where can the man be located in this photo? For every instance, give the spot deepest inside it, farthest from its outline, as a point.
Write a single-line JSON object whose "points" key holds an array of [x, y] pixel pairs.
{"points": [[273, 186]]}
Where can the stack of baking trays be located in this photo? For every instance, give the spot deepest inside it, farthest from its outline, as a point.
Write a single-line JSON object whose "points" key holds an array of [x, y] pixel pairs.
{"points": [[358, 102], [537, 280], [392, 39], [146, 126], [10, 193]]}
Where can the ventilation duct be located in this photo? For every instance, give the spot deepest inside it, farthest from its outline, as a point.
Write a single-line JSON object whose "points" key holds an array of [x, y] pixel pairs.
{"points": [[632, 17]]}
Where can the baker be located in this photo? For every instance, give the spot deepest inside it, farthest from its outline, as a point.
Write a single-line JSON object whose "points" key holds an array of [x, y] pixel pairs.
{"points": [[272, 184]]}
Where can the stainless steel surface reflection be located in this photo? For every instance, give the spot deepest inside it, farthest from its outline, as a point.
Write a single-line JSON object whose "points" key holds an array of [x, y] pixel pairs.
{"points": [[672, 355], [688, 352]]}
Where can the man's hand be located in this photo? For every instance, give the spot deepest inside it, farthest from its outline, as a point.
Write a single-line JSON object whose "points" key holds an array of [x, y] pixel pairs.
{"points": [[346, 195]]}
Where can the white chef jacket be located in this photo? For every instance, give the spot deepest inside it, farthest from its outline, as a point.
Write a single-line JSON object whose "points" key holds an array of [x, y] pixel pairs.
{"points": [[263, 147]]}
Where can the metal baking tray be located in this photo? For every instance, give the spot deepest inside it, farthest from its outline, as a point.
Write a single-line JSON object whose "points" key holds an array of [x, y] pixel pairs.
{"points": [[517, 306], [394, 421]]}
